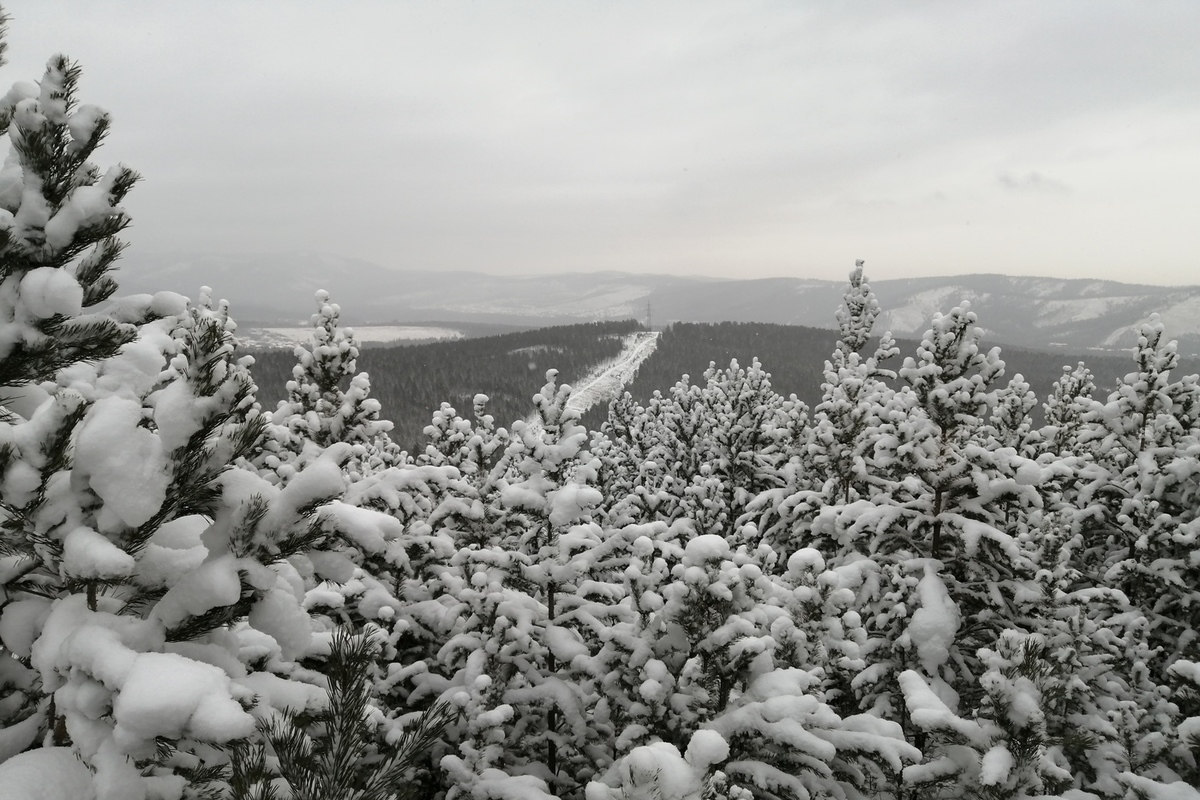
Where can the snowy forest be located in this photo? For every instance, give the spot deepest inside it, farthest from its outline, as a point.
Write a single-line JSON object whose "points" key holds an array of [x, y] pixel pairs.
{"points": [[907, 590]]}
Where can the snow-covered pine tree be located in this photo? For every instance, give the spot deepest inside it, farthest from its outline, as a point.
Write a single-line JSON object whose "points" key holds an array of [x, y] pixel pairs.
{"points": [[147, 599], [448, 434], [318, 411], [512, 596], [726, 648], [851, 393], [755, 432], [471, 447], [951, 578], [1010, 424], [1140, 508], [56, 205], [727, 442], [643, 469], [834, 465], [1064, 409], [618, 446]]}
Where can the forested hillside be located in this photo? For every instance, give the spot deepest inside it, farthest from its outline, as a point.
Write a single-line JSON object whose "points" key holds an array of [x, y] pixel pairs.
{"points": [[412, 381], [795, 355]]}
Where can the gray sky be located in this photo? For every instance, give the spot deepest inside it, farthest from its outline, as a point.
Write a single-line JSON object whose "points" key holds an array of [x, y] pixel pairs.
{"points": [[739, 139]]}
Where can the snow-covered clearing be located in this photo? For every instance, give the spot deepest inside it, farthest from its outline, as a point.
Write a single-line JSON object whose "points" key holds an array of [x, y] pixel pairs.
{"points": [[286, 337], [606, 381]]}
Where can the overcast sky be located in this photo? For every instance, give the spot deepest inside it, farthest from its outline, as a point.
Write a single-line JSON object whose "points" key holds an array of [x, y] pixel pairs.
{"points": [[737, 139]]}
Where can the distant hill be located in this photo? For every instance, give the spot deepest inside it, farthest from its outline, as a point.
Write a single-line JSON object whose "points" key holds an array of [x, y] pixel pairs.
{"points": [[1045, 313], [1042, 313]]}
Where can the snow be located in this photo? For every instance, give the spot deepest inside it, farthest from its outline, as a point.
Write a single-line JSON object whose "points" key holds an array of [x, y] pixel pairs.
{"points": [[21, 622], [165, 566], [365, 527], [930, 713], [571, 502], [1153, 790], [278, 613], [85, 206], [88, 555], [332, 566], [493, 784], [565, 643], [179, 413], [47, 291], [1188, 670], [282, 694], [123, 462], [1189, 728], [706, 748], [657, 771], [213, 584], [51, 773], [82, 123], [95, 641], [181, 533], [995, 765], [933, 626], [806, 559], [136, 307], [605, 382], [165, 694], [704, 548], [287, 336]]}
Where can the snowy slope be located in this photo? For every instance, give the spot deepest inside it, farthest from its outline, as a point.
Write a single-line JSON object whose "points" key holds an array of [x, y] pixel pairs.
{"points": [[606, 381], [604, 384]]}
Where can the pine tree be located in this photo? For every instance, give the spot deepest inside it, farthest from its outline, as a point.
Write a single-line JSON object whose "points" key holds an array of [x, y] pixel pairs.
{"points": [[336, 751], [1138, 509], [1010, 424], [319, 411], [835, 464], [148, 596], [1064, 411]]}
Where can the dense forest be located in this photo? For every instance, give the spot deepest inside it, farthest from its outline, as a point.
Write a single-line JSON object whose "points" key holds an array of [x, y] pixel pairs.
{"points": [[905, 590], [795, 357], [412, 381]]}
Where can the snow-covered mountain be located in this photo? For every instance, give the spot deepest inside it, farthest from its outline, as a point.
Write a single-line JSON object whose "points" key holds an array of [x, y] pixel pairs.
{"points": [[280, 287], [1036, 312]]}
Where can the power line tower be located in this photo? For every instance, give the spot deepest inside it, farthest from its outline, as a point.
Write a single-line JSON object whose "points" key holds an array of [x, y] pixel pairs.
{"points": [[649, 319]]}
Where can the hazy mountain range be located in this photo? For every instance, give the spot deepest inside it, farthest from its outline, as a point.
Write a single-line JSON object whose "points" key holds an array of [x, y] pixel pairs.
{"points": [[1036, 312]]}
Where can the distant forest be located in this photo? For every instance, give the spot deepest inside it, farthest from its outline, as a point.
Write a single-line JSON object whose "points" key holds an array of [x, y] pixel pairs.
{"points": [[795, 357], [411, 382]]}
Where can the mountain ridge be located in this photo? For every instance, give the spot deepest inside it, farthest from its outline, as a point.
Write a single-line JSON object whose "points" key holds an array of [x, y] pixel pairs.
{"points": [[1064, 313]]}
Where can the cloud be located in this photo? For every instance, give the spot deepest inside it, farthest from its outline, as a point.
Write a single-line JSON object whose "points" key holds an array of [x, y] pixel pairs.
{"points": [[1032, 182], [686, 135]]}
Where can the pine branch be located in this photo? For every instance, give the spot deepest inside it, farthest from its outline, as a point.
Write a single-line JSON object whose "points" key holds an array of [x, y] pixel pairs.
{"points": [[328, 754]]}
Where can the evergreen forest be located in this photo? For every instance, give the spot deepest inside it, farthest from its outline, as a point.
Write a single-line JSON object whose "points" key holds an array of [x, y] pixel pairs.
{"points": [[906, 588], [411, 380]]}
